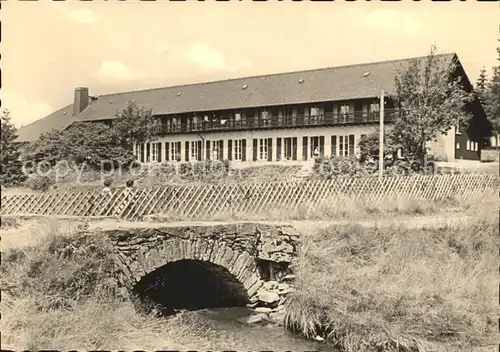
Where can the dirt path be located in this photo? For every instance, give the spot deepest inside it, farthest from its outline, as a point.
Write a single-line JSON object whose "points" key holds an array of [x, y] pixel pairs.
{"points": [[33, 229], [301, 225]]}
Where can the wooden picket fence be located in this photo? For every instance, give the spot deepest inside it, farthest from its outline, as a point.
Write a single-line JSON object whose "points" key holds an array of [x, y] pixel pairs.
{"points": [[202, 201]]}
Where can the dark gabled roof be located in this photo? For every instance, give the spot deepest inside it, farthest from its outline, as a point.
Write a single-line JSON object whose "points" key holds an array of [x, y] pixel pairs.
{"points": [[326, 84], [58, 120]]}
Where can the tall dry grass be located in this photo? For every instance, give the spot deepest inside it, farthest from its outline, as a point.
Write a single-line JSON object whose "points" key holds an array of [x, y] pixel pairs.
{"points": [[59, 294], [344, 208], [386, 289], [394, 289]]}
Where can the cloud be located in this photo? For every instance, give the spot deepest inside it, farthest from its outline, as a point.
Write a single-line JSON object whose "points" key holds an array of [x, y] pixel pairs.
{"points": [[206, 57], [24, 111], [115, 71], [394, 20], [210, 59], [83, 16]]}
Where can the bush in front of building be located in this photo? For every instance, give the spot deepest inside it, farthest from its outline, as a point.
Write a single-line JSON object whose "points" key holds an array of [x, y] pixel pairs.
{"points": [[40, 183], [204, 170], [331, 167], [354, 166], [175, 172]]}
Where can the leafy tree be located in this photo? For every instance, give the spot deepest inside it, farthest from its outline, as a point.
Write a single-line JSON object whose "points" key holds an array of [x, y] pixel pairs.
{"points": [[48, 148], [11, 167], [492, 101], [482, 86], [432, 100], [135, 124], [488, 92], [91, 143], [370, 146]]}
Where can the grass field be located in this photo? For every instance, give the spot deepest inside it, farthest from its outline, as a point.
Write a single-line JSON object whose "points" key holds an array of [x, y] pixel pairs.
{"points": [[394, 289], [56, 293], [362, 287]]}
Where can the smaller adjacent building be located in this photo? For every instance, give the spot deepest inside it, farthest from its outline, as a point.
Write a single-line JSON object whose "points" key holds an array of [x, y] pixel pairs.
{"points": [[280, 118]]}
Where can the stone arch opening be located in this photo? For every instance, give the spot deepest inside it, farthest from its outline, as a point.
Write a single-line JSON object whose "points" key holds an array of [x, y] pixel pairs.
{"points": [[189, 284]]}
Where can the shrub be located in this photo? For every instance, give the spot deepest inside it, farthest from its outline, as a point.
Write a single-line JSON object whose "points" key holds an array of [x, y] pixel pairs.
{"points": [[62, 270], [351, 166], [40, 183], [339, 166]]}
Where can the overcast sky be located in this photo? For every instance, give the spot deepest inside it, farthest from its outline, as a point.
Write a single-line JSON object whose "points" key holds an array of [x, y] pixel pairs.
{"points": [[50, 48]]}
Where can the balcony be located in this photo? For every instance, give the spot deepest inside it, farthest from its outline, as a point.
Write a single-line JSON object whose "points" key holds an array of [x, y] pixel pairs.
{"points": [[281, 122]]}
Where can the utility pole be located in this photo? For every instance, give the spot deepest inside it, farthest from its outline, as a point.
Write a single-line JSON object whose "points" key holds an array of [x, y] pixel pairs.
{"points": [[381, 139]]}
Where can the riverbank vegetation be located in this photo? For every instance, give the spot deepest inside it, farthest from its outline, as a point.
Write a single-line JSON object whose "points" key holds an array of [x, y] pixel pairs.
{"points": [[361, 288], [59, 293], [397, 289]]}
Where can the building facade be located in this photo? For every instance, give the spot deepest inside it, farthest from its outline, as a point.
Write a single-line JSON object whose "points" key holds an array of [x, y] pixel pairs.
{"points": [[273, 135], [284, 118], [285, 135]]}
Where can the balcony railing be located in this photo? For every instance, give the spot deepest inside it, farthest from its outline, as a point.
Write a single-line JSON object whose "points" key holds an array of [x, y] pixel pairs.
{"points": [[274, 122]]}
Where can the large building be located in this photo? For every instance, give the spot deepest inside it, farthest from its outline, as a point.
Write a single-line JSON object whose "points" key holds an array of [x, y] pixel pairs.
{"points": [[276, 118]]}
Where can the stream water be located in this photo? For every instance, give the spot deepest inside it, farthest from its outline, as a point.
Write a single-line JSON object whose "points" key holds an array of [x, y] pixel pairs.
{"points": [[225, 332]]}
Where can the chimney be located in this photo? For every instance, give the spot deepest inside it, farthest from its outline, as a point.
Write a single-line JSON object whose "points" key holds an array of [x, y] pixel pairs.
{"points": [[81, 100]]}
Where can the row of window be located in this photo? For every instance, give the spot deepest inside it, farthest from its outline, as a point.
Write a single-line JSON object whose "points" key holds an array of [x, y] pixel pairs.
{"points": [[472, 146], [279, 116], [286, 148], [316, 111]]}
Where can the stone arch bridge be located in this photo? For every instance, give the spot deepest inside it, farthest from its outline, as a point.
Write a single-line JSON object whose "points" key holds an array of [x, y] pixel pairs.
{"points": [[206, 265]]}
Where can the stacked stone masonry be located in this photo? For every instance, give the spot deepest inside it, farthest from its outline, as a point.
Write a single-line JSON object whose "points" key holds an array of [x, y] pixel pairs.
{"points": [[237, 247]]}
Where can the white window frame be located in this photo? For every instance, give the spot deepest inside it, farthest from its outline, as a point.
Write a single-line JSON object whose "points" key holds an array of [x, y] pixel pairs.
{"points": [[313, 148], [374, 107], [195, 121], [138, 151], [264, 117], [155, 155], [174, 123], [174, 151], [457, 145], [193, 150], [263, 149], [314, 114], [343, 145], [344, 112], [476, 146], [215, 147], [315, 111], [237, 149], [467, 145]]}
